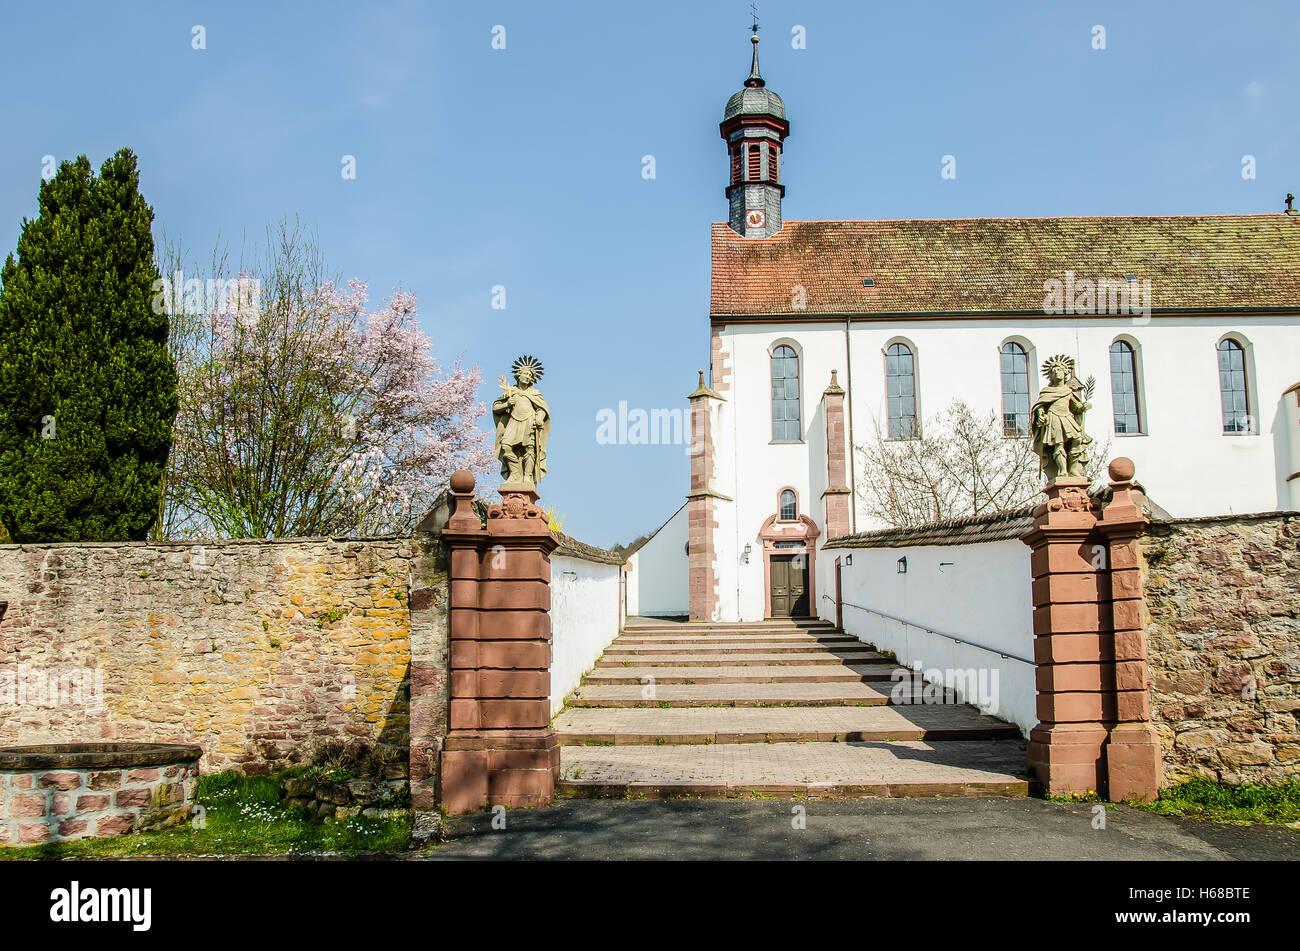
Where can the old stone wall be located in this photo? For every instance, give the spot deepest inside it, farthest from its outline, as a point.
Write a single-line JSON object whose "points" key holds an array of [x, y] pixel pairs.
{"points": [[1223, 642], [258, 651], [89, 795]]}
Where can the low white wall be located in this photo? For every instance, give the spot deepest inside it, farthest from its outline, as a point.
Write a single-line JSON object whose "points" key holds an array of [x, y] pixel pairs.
{"points": [[660, 572], [977, 592], [586, 614], [632, 590]]}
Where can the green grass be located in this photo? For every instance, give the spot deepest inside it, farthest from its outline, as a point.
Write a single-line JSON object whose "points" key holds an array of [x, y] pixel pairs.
{"points": [[243, 815], [1250, 802]]}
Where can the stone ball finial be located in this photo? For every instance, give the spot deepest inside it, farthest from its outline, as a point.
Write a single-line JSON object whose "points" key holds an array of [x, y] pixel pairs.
{"points": [[462, 480], [1121, 469]]}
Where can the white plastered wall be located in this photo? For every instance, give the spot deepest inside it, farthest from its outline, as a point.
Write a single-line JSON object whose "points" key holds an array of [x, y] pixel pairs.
{"points": [[586, 615], [659, 579], [979, 593]]}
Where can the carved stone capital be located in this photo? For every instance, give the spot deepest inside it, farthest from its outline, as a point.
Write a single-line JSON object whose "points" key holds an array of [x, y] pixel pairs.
{"points": [[516, 503]]}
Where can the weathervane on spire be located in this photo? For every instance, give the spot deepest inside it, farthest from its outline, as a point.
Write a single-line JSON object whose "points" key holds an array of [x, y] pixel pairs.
{"points": [[755, 80]]}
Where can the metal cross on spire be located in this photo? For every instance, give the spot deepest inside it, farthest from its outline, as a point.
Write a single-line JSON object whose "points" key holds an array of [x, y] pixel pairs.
{"points": [[755, 78]]}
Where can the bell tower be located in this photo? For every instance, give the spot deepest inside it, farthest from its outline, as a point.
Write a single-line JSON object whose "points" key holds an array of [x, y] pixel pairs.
{"points": [[754, 127]]}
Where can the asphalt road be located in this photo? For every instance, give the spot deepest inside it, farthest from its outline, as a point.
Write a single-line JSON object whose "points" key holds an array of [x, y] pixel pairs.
{"points": [[855, 829]]}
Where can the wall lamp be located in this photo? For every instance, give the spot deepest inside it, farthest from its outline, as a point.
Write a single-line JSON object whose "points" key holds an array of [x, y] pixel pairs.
{"points": [[902, 565], [848, 560], [748, 549]]}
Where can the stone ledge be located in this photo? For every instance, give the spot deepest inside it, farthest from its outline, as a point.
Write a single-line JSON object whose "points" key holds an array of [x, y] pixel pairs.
{"points": [[96, 755]]}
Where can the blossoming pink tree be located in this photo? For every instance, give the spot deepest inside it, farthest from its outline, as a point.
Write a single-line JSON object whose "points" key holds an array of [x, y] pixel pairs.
{"points": [[304, 413]]}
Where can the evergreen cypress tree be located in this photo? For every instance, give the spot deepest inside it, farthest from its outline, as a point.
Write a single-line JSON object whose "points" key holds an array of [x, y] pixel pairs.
{"points": [[87, 389]]}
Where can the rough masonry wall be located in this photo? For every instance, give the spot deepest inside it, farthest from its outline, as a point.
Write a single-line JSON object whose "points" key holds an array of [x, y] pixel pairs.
{"points": [[1223, 641], [256, 650]]}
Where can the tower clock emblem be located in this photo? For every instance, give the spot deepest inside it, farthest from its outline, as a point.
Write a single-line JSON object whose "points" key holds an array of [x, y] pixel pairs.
{"points": [[756, 218]]}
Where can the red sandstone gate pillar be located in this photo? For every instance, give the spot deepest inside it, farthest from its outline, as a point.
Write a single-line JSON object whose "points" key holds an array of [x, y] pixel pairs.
{"points": [[1065, 748], [1094, 732], [500, 749], [1133, 761]]}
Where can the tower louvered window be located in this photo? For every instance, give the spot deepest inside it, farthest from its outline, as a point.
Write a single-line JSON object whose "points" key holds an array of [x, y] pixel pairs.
{"points": [[735, 165], [773, 163], [755, 163]]}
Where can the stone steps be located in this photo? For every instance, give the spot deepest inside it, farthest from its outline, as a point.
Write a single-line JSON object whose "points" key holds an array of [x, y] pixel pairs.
{"points": [[740, 659], [729, 630], [691, 725], [744, 640], [754, 673], [704, 648], [728, 695], [771, 708]]}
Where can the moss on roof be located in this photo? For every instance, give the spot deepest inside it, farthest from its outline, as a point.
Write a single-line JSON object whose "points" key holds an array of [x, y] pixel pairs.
{"points": [[999, 265]]}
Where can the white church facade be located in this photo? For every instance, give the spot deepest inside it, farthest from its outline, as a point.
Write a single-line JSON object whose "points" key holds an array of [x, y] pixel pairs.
{"points": [[826, 335]]}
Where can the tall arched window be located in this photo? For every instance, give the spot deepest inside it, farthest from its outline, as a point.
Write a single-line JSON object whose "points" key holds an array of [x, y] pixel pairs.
{"points": [[789, 506], [1124, 388], [1015, 390], [900, 391], [785, 395], [1232, 387]]}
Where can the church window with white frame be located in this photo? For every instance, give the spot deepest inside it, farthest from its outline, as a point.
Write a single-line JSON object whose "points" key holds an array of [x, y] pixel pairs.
{"points": [[1233, 394], [900, 391], [785, 395], [1124, 388], [1015, 389]]}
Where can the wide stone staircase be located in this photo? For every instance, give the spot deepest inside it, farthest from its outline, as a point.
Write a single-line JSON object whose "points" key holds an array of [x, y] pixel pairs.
{"points": [[773, 708]]}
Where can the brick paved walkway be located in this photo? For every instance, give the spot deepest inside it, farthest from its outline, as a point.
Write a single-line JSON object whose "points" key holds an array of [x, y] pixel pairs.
{"points": [[776, 708], [830, 770]]}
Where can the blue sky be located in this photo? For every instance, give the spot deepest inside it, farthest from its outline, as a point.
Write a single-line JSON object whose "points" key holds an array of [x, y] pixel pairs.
{"points": [[522, 167]]}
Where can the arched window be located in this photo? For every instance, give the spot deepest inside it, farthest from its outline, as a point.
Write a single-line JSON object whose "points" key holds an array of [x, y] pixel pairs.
{"points": [[789, 506], [1124, 388], [1232, 387], [900, 391], [785, 395], [1015, 390]]}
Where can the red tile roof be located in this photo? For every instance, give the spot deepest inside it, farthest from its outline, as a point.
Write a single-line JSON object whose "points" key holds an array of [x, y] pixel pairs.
{"points": [[998, 265]]}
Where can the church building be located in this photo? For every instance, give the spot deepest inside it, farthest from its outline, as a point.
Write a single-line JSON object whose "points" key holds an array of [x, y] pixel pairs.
{"points": [[827, 335]]}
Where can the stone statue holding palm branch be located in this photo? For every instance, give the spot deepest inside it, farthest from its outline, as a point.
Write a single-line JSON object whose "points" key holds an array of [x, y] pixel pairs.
{"points": [[1057, 420], [523, 425]]}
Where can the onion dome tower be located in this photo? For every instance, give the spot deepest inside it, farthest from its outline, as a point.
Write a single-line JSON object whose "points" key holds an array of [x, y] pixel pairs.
{"points": [[754, 127]]}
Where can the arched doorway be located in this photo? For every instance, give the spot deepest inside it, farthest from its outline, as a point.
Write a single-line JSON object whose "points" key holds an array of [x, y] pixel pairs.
{"points": [[789, 566]]}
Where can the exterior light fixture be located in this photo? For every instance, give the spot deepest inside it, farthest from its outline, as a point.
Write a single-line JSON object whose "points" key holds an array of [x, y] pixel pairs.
{"points": [[748, 549], [902, 565], [848, 559]]}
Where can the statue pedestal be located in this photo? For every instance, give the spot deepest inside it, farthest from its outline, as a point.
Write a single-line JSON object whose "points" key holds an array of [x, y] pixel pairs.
{"points": [[518, 488], [500, 749]]}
